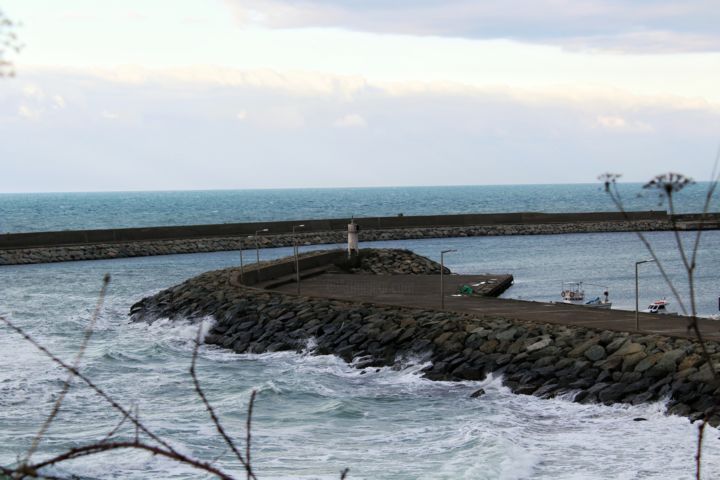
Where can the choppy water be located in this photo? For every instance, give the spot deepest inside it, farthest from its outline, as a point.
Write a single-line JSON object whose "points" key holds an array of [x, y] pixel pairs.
{"points": [[27, 212], [316, 415]]}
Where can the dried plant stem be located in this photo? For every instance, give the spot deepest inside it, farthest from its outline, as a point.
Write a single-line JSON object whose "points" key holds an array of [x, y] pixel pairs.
{"points": [[32, 470], [698, 454], [75, 365], [671, 183], [87, 381], [211, 411], [248, 435], [617, 200], [27, 469], [112, 432]]}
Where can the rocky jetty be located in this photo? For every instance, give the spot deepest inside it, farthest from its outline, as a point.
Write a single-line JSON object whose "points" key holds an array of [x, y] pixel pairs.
{"points": [[95, 251], [390, 261], [539, 359]]}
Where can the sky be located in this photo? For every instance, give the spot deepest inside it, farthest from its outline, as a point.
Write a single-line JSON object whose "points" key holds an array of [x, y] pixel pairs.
{"points": [[226, 94]]}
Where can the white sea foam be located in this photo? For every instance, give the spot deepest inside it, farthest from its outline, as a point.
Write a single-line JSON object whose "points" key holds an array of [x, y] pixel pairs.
{"points": [[314, 414]]}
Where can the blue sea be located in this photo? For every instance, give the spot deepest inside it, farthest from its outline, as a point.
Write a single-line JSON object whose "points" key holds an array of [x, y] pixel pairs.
{"points": [[32, 212], [316, 415]]}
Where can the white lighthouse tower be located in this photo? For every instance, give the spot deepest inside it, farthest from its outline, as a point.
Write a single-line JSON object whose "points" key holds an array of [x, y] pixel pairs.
{"points": [[353, 229]]}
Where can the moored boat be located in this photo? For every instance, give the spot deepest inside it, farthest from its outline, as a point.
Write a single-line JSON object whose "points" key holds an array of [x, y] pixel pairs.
{"points": [[659, 307], [573, 293]]}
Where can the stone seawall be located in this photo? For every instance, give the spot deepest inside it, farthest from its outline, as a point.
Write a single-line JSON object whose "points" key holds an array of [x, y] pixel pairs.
{"points": [[98, 251], [539, 359]]}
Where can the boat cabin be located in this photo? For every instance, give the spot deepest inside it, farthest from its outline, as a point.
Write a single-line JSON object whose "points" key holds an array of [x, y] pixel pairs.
{"points": [[659, 306]]}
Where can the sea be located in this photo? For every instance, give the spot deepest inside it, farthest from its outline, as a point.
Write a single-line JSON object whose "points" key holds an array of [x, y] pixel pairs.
{"points": [[32, 212], [315, 415]]}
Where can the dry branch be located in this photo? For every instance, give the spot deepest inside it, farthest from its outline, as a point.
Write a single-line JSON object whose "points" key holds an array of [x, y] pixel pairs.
{"points": [[667, 185]]}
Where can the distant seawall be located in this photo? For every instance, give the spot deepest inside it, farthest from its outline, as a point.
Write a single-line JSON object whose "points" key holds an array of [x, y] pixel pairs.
{"points": [[46, 247]]}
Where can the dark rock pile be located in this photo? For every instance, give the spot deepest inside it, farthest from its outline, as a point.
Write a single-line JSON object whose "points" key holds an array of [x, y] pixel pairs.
{"points": [[540, 359], [389, 261]]}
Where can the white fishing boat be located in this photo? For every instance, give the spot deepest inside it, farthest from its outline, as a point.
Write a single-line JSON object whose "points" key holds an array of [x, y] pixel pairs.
{"points": [[573, 293], [659, 307]]}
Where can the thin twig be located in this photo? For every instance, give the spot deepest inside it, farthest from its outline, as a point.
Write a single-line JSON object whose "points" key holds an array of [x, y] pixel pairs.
{"points": [[248, 436], [93, 449], [211, 411], [137, 415], [218, 457], [689, 264], [19, 473], [698, 454], [76, 364], [676, 234], [714, 178], [115, 430], [87, 381], [617, 200]]}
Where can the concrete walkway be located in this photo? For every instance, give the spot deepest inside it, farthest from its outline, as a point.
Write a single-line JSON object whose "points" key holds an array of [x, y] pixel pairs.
{"points": [[423, 291]]}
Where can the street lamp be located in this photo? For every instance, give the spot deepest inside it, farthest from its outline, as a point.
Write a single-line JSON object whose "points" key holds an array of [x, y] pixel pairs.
{"points": [[296, 252], [442, 277], [257, 245], [637, 306]]}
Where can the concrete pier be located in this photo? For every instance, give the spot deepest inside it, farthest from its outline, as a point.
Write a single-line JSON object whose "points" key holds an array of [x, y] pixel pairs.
{"points": [[45, 247], [390, 318], [423, 292]]}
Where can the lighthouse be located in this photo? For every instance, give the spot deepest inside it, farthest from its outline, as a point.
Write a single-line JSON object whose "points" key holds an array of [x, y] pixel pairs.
{"points": [[353, 229]]}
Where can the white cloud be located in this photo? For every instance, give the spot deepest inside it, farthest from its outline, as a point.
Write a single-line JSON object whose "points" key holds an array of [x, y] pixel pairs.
{"points": [[612, 122], [280, 118], [29, 113], [621, 124], [624, 25], [294, 82], [352, 120], [241, 115], [345, 88], [59, 102], [34, 92], [186, 135]]}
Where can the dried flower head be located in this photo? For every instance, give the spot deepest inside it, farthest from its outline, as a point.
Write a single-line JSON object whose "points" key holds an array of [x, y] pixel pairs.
{"points": [[668, 183], [609, 179]]}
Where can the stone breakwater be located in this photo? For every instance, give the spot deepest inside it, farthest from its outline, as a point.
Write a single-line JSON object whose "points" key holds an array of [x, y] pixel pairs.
{"points": [[19, 256], [394, 261], [539, 359]]}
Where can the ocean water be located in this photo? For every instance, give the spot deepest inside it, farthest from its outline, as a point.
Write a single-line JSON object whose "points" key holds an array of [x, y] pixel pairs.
{"points": [[31, 212], [316, 415]]}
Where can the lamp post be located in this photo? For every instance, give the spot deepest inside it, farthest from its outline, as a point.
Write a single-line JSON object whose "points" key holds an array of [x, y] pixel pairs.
{"points": [[257, 245], [296, 252], [637, 306], [442, 277]]}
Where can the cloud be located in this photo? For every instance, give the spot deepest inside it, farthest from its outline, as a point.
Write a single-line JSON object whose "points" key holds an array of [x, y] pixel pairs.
{"points": [[187, 134], [58, 102], [34, 92], [620, 124], [29, 113], [621, 25], [294, 82], [352, 120], [346, 88], [280, 117]]}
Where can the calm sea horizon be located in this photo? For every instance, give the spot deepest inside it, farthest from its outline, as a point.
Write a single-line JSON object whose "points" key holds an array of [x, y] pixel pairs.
{"points": [[32, 212]]}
